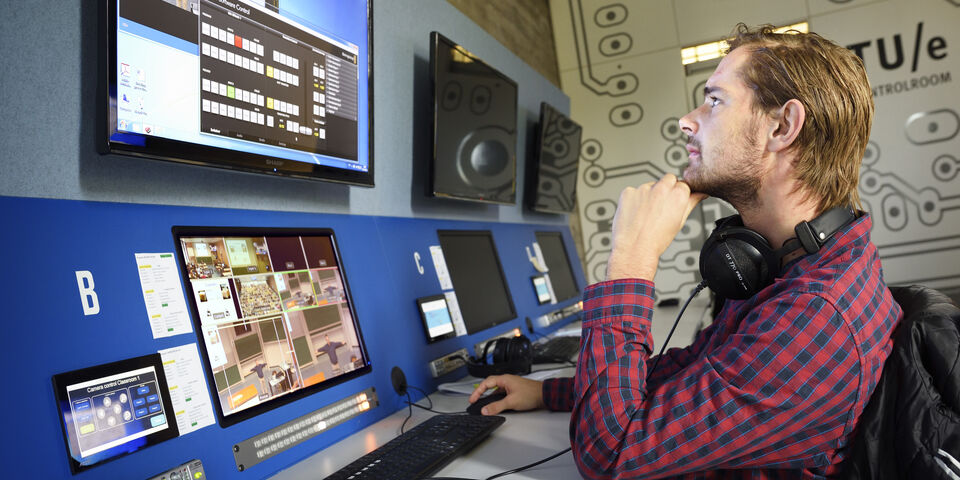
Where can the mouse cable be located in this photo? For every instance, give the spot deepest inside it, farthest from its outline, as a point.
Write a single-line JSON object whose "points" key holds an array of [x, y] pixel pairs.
{"points": [[534, 464], [663, 347]]}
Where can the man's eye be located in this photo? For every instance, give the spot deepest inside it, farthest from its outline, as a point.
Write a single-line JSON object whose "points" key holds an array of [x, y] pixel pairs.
{"points": [[713, 101]]}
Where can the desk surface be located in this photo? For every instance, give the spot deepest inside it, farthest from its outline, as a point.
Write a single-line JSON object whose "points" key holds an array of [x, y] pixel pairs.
{"points": [[526, 437], [508, 447]]}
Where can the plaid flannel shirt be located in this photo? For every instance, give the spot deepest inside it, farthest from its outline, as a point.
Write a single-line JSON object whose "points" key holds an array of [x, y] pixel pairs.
{"points": [[772, 388]]}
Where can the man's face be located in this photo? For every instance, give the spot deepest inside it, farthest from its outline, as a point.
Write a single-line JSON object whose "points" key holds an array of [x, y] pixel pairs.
{"points": [[725, 137]]}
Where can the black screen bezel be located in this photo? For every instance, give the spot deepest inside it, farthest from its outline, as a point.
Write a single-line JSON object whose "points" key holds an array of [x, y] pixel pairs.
{"points": [[165, 149], [62, 380], [423, 317], [503, 278], [247, 413]]}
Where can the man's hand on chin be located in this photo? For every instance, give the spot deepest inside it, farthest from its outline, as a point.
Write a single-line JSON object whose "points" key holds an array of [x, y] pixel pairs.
{"points": [[648, 218]]}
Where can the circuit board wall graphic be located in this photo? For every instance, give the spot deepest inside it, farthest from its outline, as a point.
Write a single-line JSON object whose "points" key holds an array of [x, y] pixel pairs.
{"points": [[620, 64]]}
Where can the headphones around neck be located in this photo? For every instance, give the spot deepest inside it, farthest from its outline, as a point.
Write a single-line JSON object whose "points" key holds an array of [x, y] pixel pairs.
{"points": [[737, 262], [512, 355]]}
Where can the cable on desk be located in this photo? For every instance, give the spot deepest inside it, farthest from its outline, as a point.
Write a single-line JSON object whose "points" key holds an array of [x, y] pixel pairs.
{"points": [[534, 464]]}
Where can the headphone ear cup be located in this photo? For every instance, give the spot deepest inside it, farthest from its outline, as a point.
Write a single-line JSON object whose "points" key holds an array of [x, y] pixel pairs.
{"points": [[735, 263]]}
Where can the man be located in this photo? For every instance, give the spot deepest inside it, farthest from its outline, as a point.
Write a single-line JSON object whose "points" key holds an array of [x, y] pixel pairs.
{"points": [[330, 349], [775, 386]]}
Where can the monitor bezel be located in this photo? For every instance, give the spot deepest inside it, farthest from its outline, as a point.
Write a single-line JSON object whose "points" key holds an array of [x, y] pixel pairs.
{"points": [[435, 39], [176, 151], [423, 317], [62, 380], [506, 285], [247, 413]]}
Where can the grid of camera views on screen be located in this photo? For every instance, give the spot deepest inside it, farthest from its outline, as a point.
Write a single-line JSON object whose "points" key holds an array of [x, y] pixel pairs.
{"points": [[273, 314]]}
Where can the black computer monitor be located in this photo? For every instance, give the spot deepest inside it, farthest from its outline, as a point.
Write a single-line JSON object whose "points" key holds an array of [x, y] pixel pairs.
{"points": [[240, 85], [558, 263], [281, 325], [478, 279]]}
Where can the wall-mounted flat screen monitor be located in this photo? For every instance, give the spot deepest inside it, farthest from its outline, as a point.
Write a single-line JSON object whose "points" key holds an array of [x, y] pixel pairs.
{"points": [[436, 318], [477, 276], [558, 265], [474, 126], [541, 289], [241, 84], [273, 313], [554, 181], [111, 410]]}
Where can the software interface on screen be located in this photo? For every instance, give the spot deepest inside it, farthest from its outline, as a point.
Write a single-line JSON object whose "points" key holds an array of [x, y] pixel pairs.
{"points": [[477, 277], [543, 291], [558, 264], [436, 315], [114, 410], [274, 314], [238, 75]]}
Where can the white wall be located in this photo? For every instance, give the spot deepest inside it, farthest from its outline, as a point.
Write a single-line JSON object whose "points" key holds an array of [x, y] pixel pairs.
{"points": [[620, 65]]}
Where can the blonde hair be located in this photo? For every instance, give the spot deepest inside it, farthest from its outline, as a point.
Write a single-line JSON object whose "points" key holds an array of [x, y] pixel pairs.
{"points": [[831, 83]]}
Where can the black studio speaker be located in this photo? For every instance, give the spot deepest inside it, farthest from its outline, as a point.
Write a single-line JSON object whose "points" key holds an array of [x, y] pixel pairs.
{"points": [[553, 186], [475, 127]]}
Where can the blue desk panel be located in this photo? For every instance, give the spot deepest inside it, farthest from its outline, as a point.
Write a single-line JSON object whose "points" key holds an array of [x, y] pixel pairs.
{"points": [[46, 332]]}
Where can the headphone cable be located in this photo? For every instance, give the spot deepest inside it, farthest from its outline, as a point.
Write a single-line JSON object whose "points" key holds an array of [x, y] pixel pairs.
{"points": [[676, 322]]}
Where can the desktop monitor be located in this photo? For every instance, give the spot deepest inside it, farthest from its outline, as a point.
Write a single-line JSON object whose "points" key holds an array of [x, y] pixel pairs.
{"points": [[240, 84], [273, 313], [558, 265], [436, 318], [554, 178], [474, 126], [478, 280]]}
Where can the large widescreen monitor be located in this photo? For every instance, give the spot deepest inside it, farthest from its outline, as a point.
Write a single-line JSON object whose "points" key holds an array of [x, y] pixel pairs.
{"points": [[273, 312], [558, 265], [474, 126], [241, 85], [553, 186], [477, 276]]}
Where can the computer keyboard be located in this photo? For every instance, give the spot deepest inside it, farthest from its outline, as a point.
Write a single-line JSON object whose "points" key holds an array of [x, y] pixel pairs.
{"points": [[422, 450], [556, 350]]}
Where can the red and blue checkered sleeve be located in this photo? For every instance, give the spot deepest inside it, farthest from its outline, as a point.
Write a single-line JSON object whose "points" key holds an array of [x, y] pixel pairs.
{"points": [[776, 393], [558, 394]]}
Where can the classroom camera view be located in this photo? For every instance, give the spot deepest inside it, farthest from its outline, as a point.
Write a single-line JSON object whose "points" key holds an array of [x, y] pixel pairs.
{"points": [[273, 314]]}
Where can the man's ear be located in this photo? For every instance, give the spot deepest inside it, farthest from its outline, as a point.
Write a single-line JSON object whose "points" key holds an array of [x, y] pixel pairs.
{"points": [[787, 126]]}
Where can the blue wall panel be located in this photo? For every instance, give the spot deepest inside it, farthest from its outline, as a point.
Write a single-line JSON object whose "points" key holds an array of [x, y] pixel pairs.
{"points": [[46, 332]]}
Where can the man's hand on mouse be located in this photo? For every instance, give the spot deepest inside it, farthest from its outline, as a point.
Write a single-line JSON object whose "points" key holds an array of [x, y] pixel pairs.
{"points": [[647, 220], [522, 393]]}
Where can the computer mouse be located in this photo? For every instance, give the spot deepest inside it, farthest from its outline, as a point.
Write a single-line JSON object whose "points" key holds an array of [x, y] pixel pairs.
{"points": [[476, 407]]}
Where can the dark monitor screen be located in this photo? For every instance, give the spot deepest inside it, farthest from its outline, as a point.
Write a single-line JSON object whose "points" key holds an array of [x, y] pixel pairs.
{"points": [[262, 347], [556, 164], [477, 276], [237, 84], [558, 263], [474, 128]]}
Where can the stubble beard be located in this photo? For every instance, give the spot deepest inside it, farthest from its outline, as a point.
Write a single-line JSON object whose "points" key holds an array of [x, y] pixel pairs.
{"points": [[734, 177]]}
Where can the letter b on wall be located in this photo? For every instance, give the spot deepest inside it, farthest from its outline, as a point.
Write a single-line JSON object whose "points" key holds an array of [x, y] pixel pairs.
{"points": [[88, 297]]}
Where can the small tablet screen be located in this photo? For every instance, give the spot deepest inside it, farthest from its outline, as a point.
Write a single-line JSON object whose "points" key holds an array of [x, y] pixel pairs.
{"points": [[540, 286], [436, 317], [114, 409]]}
